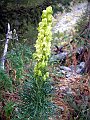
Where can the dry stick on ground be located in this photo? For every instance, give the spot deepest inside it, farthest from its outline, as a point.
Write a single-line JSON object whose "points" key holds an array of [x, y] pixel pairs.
{"points": [[8, 37]]}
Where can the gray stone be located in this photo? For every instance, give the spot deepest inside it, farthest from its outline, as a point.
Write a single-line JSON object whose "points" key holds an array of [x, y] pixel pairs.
{"points": [[80, 68], [79, 50], [68, 75], [82, 65], [58, 57], [65, 68], [78, 71], [72, 67], [69, 91]]}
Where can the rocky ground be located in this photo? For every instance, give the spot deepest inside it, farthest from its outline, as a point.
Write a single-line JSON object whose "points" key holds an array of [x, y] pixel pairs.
{"points": [[69, 78], [68, 20], [64, 23]]}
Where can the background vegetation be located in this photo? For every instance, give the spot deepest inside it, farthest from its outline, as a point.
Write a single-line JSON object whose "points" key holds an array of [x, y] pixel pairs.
{"points": [[21, 96]]}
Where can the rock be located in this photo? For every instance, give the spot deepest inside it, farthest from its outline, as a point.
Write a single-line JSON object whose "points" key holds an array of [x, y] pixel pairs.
{"points": [[63, 72], [67, 21], [62, 108], [72, 68], [80, 50], [63, 88], [80, 68], [58, 57], [82, 65], [78, 71], [69, 91], [66, 71], [65, 68], [68, 75]]}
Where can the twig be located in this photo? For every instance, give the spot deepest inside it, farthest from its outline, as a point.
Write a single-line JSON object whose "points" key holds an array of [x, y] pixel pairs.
{"points": [[8, 37]]}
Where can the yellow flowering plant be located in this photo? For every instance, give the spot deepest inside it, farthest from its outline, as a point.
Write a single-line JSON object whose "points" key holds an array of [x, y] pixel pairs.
{"points": [[37, 92], [43, 44]]}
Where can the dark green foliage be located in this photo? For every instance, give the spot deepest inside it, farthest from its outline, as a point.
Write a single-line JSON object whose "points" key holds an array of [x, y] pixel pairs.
{"points": [[9, 107], [58, 5], [35, 95], [5, 85], [31, 34], [19, 57], [65, 2], [36, 103], [19, 14], [21, 2], [81, 24], [5, 81], [15, 58], [24, 18]]}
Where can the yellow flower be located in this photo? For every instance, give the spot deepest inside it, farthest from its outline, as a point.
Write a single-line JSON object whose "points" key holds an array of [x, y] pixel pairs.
{"points": [[43, 44], [49, 10]]}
